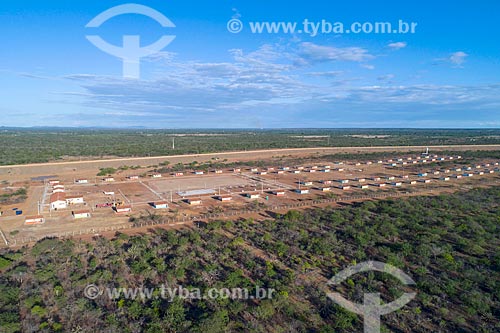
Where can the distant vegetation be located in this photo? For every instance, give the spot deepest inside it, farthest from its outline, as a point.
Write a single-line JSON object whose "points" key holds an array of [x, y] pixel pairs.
{"points": [[448, 244], [14, 197], [20, 146]]}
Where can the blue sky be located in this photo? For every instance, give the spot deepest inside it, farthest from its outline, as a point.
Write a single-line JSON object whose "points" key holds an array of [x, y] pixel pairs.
{"points": [[444, 75]]}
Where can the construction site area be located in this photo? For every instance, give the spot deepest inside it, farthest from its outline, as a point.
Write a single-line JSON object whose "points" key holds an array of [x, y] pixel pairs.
{"points": [[67, 205]]}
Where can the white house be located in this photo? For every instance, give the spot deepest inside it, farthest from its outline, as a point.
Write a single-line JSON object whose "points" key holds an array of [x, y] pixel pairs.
{"points": [[74, 200], [58, 201], [37, 219], [160, 205], [81, 214]]}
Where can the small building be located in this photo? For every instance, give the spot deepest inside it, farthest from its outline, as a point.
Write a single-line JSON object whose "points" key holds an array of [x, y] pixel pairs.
{"points": [[390, 178], [369, 163], [490, 171], [312, 170], [414, 162], [58, 189], [296, 171], [302, 191], [458, 169], [324, 189], [345, 187], [445, 179], [396, 184], [58, 201], [363, 186], [436, 173], [340, 169], [156, 175], [300, 168], [123, 209], [285, 168], [306, 183], [404, 176], [236, 170], [280, 172], [468, 174], [160, 205], [254, 169], [279, 193], [412, 182], [380, 162], [109, 193], [376, 179], [194, 201], [54, 182], [262, 173], [325, 170], [81, 181], [253, 195], [326, 167], [218, 171], [199, 173], [314, 167], [423, 174], [74, 200], [360, 180], [457, 176], [109, 179], [81, 214], [480, 173], [36, 219], [380, 184], [325, 181], [343, 181], [425, 181], [179, 174], [133, 177], [224, 198]]}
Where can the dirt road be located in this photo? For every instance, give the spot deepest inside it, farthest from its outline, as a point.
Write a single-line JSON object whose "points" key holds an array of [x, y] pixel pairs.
{"points": [[79, 167]]}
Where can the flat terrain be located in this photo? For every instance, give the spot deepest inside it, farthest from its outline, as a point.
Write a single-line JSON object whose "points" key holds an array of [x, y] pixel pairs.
{"points": [[76, 169], [403, 174]]}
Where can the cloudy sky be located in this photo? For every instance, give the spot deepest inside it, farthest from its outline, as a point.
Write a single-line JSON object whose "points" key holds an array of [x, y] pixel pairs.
{"points": [[446, 74]]}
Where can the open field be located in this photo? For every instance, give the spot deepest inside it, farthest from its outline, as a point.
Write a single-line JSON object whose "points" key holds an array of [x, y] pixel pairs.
{"points": [[77, 169]]}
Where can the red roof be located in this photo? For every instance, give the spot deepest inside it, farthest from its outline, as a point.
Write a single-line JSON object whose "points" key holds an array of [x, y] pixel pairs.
{"points": [[34, 217], [57, 197], [81, 212]]}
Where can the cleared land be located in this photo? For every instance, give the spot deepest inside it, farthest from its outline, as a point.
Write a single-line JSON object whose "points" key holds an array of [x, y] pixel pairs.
{"points": [[343, 179]]}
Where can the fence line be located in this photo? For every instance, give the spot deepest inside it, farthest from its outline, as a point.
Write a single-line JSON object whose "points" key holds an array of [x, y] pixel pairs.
{"points": [[207, 216]]}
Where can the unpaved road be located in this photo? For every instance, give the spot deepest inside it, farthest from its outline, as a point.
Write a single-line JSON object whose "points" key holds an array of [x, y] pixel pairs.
{"points": [[78, 167]]}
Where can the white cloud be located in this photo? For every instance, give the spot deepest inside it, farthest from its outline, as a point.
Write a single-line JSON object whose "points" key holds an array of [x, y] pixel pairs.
{"points": [[397, 45], [367, 66], [458, 58], [311, 53]]}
